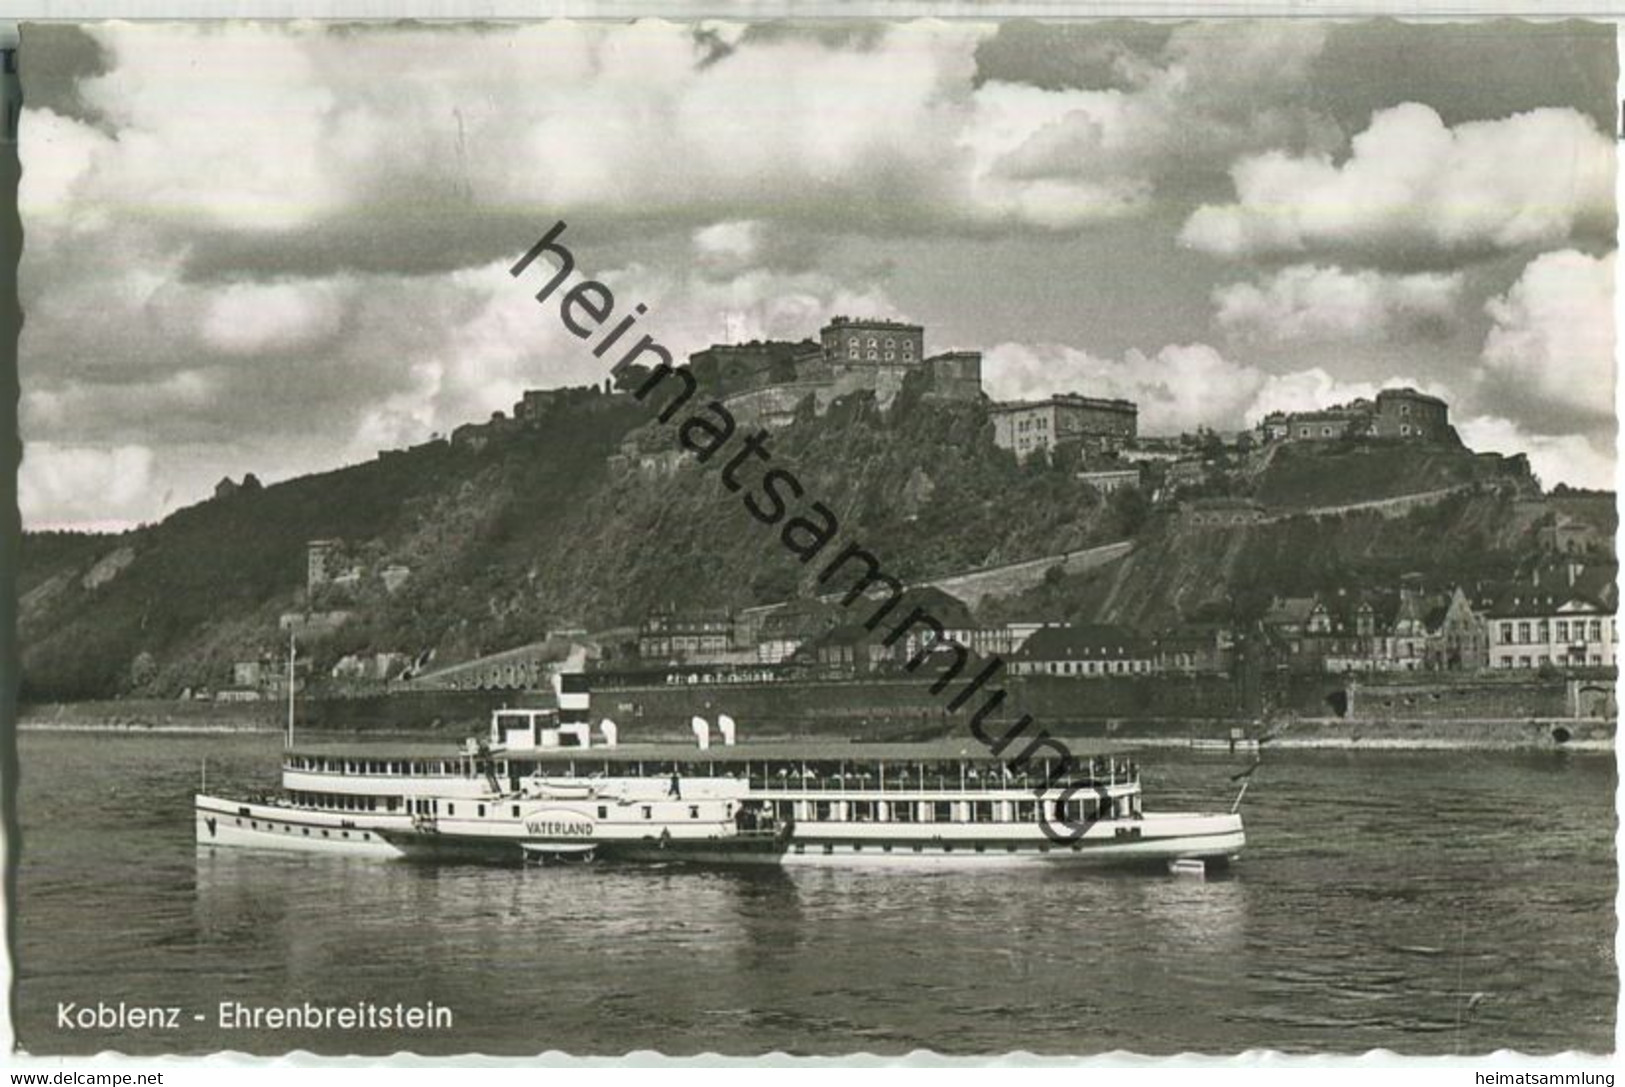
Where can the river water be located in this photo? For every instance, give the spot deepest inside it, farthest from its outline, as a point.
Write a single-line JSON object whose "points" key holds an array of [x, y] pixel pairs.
{"points": [[1424, 903]]}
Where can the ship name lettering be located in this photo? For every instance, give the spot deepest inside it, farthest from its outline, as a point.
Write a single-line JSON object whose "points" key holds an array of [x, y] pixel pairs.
{"points": [[545, 826]]}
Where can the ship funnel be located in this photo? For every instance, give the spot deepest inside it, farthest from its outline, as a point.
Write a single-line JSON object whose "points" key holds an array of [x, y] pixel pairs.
{"points": [[702, 732], [607, 727], [726, 726], [574, 698]]}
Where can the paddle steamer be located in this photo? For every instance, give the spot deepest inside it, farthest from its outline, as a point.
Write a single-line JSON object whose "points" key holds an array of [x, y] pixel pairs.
{"points": [[541, 786]]}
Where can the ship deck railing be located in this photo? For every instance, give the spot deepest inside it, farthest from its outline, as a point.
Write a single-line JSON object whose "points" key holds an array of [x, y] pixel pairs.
{"points": [[931, 783]]}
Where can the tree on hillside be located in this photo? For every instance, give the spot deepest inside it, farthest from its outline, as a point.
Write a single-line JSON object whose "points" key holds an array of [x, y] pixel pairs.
{"points": [[1130, 508]]}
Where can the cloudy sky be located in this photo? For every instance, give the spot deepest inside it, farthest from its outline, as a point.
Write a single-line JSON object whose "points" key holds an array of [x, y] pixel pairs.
{"points": [[278, 248]]}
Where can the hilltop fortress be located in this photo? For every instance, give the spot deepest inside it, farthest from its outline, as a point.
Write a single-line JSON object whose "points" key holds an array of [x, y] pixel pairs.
{"points": [[764, 382]]}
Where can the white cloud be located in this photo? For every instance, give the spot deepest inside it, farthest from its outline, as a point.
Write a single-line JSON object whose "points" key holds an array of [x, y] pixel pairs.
{"points": [[1312, 303], [1553, 337], [1214, 91], [269, 132], [72, 484], [728, 244], [1412, 187], [247, 318], [1574, 459], [230, 125], [58, 155]]}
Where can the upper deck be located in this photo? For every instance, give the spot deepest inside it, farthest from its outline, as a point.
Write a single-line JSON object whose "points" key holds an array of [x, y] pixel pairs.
{"points": [[800, 765]]}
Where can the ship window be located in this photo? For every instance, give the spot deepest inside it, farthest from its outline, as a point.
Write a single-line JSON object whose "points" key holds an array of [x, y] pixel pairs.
{"points": [[451, 809], [648, 812], [800, 848], [307, 832], [917, 848], [482, 811], [693, 811], [821, 810], [981, 811], [902, 811], [942, 811], [886, 848], [828, 849]]}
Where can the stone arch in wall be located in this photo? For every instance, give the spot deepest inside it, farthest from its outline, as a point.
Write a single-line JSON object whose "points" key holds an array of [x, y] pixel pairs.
{"points": [[1595, 700]]}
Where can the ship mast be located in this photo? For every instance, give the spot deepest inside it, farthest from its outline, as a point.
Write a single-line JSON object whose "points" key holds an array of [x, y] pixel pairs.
{"points": [[290, 688]]}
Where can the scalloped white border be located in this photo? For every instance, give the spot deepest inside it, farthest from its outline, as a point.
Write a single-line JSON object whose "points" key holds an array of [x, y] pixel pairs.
{"points": [[408, 1069]]}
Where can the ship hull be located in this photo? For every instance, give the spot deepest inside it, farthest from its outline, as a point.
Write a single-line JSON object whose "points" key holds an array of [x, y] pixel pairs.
{"points": [[1150, 841], [235, 824]]}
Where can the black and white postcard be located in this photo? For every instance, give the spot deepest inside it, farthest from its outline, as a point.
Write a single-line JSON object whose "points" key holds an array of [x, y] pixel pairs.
{"points": [[826, 536]]}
